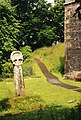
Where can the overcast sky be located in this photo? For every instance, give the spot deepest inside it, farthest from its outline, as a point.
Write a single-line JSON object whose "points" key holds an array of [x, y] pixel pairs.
{"points": [[51, 1]]}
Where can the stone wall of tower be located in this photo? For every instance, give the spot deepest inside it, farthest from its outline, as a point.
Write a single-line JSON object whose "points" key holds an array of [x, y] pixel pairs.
{"points": [[72, 38]]}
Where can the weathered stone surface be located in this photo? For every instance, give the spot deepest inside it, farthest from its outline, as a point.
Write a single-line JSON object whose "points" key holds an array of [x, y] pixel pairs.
{"points": [[72, 38], [77, 75], [17, 59]]}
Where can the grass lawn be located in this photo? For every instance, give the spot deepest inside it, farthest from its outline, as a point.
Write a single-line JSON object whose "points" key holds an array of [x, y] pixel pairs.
{"points": [[40, 96], [43, 101]]}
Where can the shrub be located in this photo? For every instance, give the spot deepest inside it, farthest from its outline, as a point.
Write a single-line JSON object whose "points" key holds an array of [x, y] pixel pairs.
{"points": [[7, 69], [26, 51], [61, 65]]}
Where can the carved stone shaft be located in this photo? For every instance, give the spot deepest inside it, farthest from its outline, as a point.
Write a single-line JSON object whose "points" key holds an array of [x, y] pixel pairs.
{"points": [[17, 59], [19, 81]]}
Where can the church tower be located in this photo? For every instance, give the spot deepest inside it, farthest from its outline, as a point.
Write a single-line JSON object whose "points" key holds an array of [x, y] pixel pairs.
{"points": [[72, 38]]}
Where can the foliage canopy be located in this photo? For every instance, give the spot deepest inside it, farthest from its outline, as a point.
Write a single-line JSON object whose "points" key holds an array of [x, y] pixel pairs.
{"points": [[9, 30]]}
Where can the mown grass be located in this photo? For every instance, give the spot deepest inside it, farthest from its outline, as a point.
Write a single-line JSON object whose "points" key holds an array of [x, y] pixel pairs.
{"points": [[43, 101]]}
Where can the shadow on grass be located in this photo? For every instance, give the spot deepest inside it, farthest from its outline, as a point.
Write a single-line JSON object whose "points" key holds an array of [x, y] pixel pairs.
{"points": [[1, 79], [61, 68], [4, 104], [47, 113]]}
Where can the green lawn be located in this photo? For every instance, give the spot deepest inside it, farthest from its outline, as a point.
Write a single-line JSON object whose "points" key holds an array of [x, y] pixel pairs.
{"points": [[43, 101], [40, 95]]}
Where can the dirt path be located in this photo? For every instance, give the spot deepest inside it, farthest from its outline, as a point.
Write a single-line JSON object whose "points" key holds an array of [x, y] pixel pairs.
{"points": [[53, 79]]}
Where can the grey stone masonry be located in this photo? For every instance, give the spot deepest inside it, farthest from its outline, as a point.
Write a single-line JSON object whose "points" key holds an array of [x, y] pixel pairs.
{"points": [[72, 38]]}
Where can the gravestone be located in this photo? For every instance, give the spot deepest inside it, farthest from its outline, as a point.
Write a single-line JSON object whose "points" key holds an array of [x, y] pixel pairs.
{"points": [[72, 38], [17, 59], [29, 71]]}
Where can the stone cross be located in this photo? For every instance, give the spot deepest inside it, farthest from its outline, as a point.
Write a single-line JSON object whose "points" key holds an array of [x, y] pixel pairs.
{"points": [[17, 59]]}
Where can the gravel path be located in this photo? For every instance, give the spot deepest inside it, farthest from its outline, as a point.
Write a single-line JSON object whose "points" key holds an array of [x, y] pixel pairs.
{"points": [[53, 79]]}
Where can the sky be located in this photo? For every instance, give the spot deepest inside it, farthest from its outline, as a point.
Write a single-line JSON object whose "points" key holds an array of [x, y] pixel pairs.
{"points": [[51, 1]]}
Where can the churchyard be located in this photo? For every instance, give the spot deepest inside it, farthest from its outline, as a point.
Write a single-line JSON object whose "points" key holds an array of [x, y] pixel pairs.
{"points": [[43, 100]]}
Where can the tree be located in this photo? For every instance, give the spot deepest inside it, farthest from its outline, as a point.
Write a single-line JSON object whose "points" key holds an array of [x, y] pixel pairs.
{"points": [[46, 36], [9, 30], [41, 23], [36, 16], [59, 19]]}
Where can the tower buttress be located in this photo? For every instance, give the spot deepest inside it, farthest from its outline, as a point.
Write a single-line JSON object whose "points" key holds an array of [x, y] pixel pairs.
{"points": [[72, 38]]}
